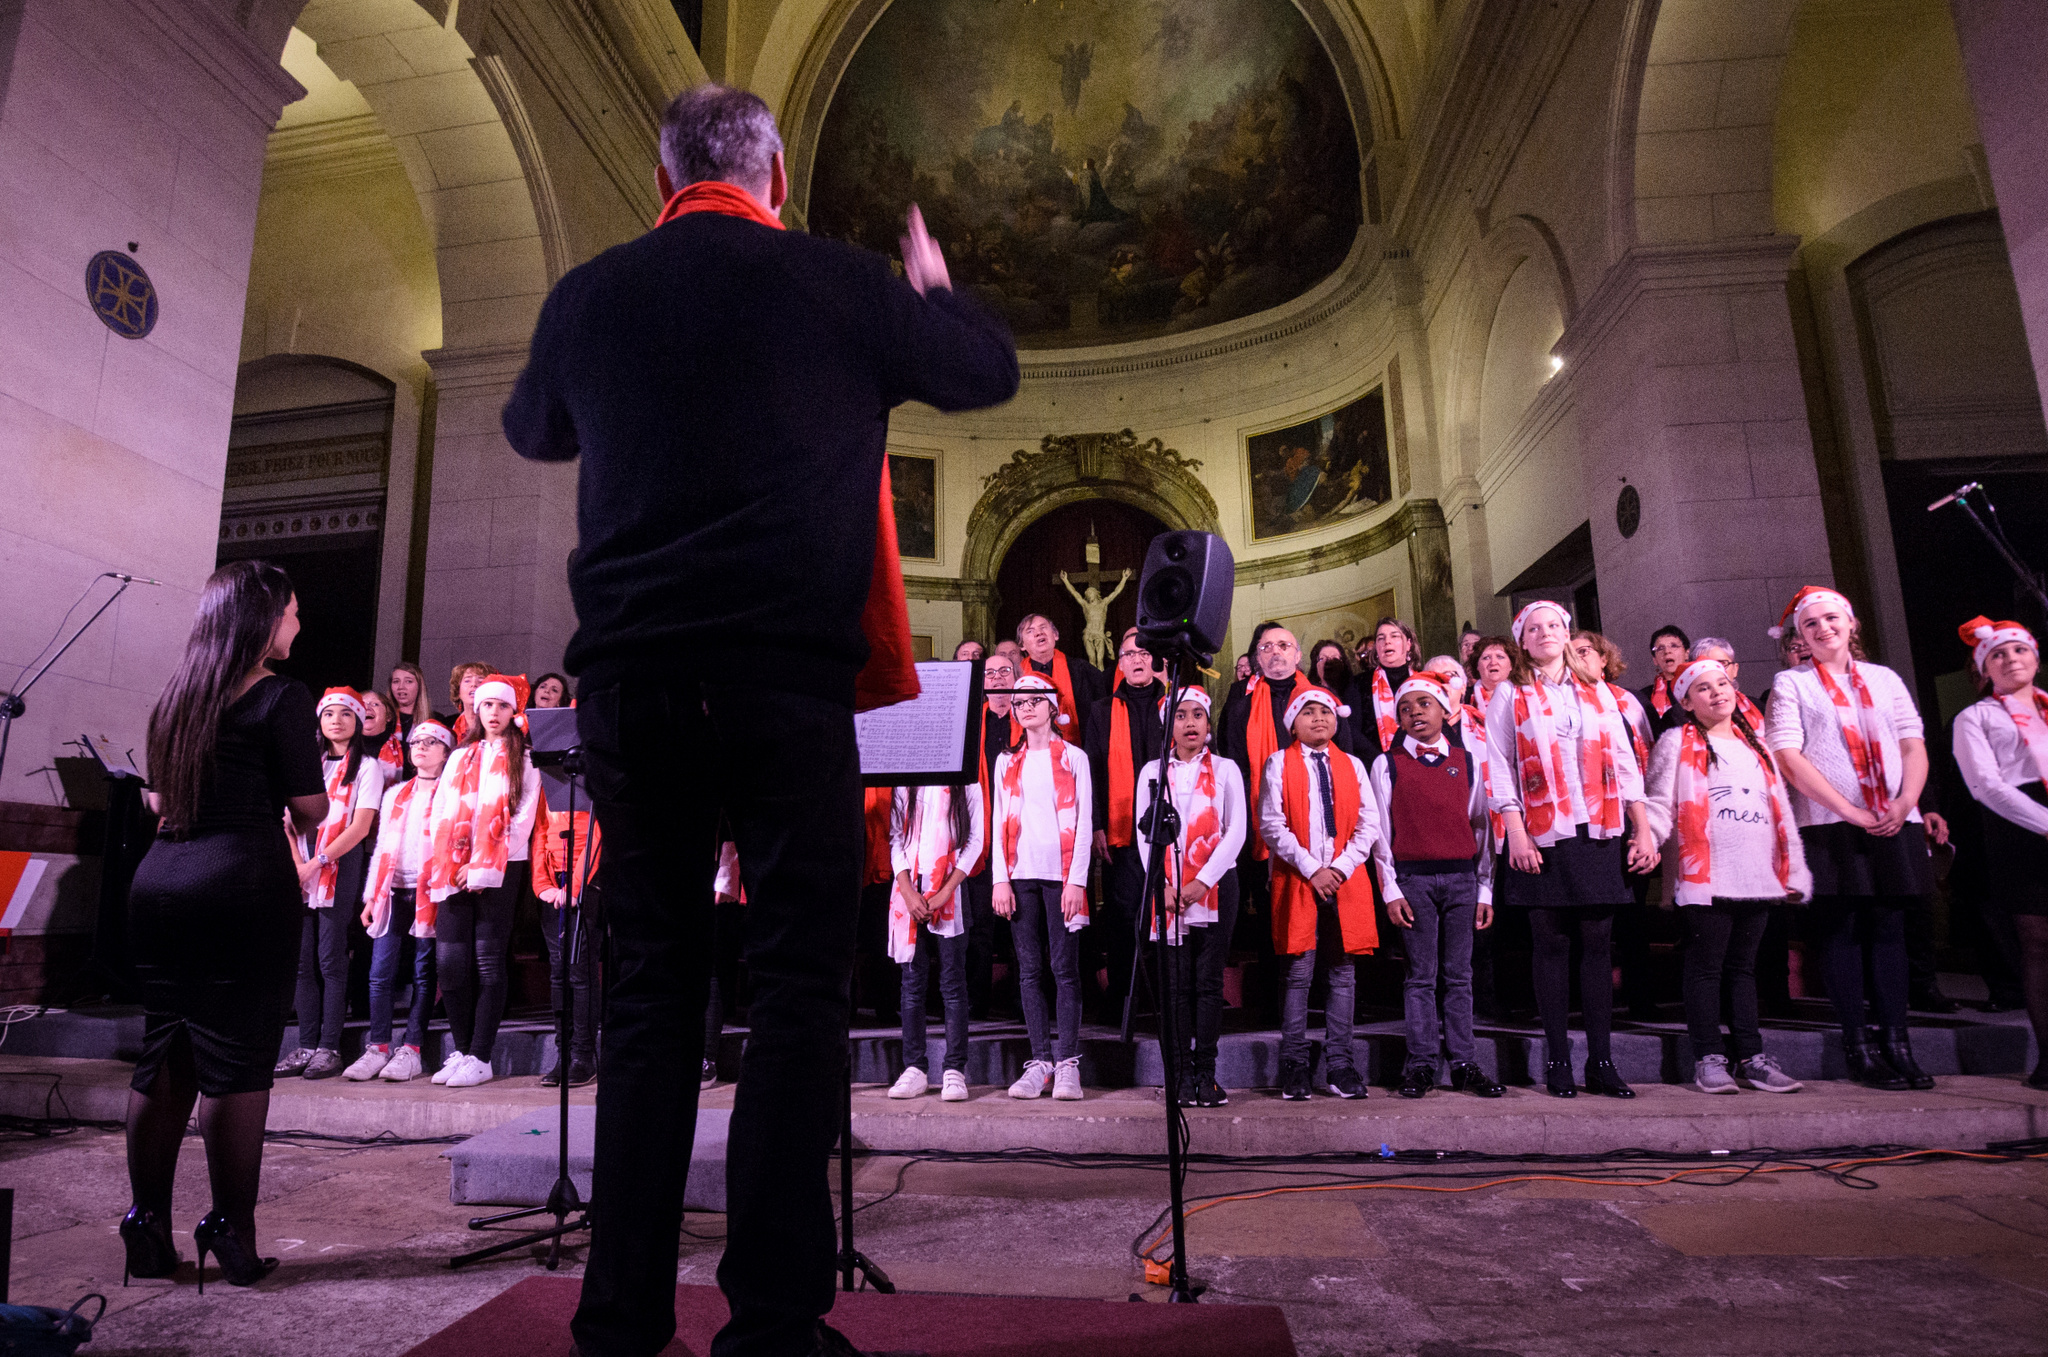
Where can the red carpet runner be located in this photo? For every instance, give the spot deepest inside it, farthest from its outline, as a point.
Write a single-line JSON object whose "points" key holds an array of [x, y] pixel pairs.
{"points": [[532, 1320]]}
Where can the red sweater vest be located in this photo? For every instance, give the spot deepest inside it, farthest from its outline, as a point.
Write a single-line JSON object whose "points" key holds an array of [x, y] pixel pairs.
{"points": [[1430, 817]]}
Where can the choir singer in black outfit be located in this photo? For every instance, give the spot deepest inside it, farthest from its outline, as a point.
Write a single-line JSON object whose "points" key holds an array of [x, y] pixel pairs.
{"points": [[727, 386]]}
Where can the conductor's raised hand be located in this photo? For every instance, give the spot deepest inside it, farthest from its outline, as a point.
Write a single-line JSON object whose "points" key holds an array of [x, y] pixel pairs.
{"points": [[923, 264]]}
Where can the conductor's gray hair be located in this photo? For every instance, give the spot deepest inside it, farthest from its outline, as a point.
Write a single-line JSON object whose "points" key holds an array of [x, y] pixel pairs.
{"points": [[713, 132], [1706, 643]]}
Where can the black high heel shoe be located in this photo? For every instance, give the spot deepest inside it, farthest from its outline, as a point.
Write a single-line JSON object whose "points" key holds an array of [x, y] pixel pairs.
{"points": [[1604, 1079], [147, 1238], [1557, 1077], [214, 1235]]}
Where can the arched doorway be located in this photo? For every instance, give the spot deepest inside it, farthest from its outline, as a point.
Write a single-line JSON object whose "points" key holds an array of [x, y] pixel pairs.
{"points": [[1028, 580]]}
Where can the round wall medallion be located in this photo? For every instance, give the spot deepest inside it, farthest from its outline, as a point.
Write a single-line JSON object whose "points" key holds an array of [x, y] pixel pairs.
{"points": [[1628, 511], [121, 294]]}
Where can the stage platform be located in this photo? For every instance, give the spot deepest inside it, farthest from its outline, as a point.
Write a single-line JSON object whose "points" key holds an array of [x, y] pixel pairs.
{"points": [[532, 1320]]}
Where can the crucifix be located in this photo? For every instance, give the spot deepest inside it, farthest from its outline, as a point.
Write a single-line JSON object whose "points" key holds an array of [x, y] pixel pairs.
{"points": [[1094, 606]]}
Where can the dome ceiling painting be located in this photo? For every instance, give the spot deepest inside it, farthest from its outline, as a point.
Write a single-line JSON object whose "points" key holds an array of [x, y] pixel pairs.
{"points": [[1098, 170]]}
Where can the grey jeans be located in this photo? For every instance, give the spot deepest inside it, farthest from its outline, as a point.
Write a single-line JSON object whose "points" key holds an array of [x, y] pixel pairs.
{"points": [[951, 954], [1339, 1008], [1440, 945]]}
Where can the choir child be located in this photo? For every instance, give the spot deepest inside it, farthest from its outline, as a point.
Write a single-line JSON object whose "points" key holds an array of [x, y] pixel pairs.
{"points": [[1319, 823], [1044, 818]]}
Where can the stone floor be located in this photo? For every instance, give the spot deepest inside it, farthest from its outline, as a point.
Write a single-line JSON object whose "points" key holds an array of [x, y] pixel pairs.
{"points": [[1945, 1258]]}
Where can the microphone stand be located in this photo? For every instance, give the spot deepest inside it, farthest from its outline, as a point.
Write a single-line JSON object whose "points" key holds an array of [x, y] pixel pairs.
{"points": [[564, 1201], [1162, 831], [1995, 535], [11, 705]]}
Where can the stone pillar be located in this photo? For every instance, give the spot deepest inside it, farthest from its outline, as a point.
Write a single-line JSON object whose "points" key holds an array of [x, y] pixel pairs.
{"points": [[136, 126], [1686, 385], [2005, 52], [500, 532]]}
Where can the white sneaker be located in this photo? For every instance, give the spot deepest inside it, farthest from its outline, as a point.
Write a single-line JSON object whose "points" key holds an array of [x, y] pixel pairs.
{"points": [[1066, 1080], [369, 1064], [405, 1064], [912, 1083], [448, 1067], [1037, 1077], [470, 1073], [953, 1087]]}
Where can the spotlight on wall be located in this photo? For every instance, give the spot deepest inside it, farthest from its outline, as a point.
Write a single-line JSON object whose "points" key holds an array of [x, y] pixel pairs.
{"points": [[1556, 365]]}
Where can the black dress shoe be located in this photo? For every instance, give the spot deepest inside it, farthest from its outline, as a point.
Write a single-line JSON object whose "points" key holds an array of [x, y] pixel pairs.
{"points": [[147, 1238], [214, 1235], [1416, 1080], [1898, 1049], [553, 1078], [1557, 1077], [1469, 1078], [1604, 1079], [582, 1070], [1294, 1083], [1344, 1081], [1867, 1064]]}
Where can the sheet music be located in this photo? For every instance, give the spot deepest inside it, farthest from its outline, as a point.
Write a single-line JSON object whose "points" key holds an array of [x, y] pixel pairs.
{"points": [[112, 757], [928, 734]]}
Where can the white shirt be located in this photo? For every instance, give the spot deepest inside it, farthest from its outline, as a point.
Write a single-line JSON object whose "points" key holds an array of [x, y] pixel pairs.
{"points": [[1803, 717], [934, 831], [1475, 810], [1319, 852], [1742, 837], [365, 793], [1230, 815], [1996, 765], [408, 830], [1038, 839], [1571, 721]]}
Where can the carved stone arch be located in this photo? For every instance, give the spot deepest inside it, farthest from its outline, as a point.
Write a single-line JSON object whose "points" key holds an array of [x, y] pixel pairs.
{"points": [[1505, 249], [1066, 469]]}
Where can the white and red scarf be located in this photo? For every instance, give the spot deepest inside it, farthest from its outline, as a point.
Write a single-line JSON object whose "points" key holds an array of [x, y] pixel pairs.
{"points": [[1660, 695], [1690, 814], [1482, 755], [1201, 833], [392, 754], [472, 821], [2029, 713], [1066, 808], [1383, 708], [929, 838], [409, 811], [1860, 734], [1547, 810], [319, 892]]}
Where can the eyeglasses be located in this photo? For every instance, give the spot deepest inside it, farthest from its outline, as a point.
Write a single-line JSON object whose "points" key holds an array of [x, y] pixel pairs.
{"points": [[1027, 701], [1271, 647]]}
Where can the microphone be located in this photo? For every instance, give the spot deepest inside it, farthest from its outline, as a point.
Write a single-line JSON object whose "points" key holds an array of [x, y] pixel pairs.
{"points": [[140, 579], [1946, 500]]}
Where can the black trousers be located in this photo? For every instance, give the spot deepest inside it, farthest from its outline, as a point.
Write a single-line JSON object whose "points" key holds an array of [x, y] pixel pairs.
{"points": [[1113, 933], [665, 761], [1198, 976], [1721, 941], [578, 973]]}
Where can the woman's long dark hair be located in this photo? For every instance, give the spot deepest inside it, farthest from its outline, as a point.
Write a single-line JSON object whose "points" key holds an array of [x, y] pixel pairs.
{"points": [[239, 610], [1341, 678]]}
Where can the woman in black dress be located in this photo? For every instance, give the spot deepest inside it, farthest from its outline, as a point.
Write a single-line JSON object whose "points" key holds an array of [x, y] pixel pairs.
{"points": [[214, 914]]}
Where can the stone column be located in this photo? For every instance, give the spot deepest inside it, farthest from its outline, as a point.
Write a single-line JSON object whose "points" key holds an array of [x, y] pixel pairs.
{"points": [[2005, 53], [501, 530], [1686, 383], [136, 126]]}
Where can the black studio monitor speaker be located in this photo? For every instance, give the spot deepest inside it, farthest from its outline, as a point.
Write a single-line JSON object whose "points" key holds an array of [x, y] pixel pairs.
{"points": [[1184, 594]]}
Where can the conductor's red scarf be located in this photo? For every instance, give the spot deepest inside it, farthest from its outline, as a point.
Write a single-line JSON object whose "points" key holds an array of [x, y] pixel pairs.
{"points": [[890, 675]]}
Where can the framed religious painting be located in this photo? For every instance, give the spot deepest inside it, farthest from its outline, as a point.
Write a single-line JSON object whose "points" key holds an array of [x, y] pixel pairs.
{"points": [[914, 482], [1348, 624], [1311, 473]]}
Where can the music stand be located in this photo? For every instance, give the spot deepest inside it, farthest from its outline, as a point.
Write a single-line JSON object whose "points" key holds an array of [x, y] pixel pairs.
{"points": [[557, 754]]}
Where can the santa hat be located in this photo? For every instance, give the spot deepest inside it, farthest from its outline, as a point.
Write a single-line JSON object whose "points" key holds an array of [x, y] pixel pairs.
{"points": [[343, 697], [1692, 674], [1040, 681], [432, 730], [1457, 680], [1810, 596], [511, 688], [1983, 636], [1522, 617], [1430, 685], [1190, 694], [1308, 695]]}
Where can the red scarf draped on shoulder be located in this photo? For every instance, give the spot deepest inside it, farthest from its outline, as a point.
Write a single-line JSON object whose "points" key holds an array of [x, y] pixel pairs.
{"points": [[2029, 713], [1260, 744], [1383, 716], [1066, 805], [1858, 718], [1123, 782], [877, 808], [890, 675], [1062, 679], [1294, 901]]}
